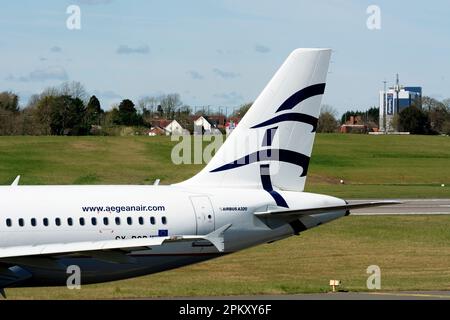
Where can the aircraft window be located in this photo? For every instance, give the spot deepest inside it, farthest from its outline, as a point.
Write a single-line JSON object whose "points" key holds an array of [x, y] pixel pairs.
{"points": [[45, 222], [129, 221], [21, 222], [58, 221], [164, 220], [141, 220], [152, 220], [81, 221], [70, 221], [9, 222], [33, 222], [105, 221], [94, 221], [118, 221]]}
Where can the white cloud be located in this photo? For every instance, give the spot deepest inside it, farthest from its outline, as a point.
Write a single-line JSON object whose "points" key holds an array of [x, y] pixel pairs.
{"points": [[40, 75], [108, 94], [195, 75], [124, 49], [55, 49], [261, 48], [232, 97], [225, 74]]}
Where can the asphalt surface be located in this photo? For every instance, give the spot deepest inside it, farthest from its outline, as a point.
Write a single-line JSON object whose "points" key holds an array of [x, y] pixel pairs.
{"points": [[375, 295], [408, 206]]}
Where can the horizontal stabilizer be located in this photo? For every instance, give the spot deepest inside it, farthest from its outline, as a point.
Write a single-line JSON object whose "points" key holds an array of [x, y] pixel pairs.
{"points": [[215, 237], [319, 210]]}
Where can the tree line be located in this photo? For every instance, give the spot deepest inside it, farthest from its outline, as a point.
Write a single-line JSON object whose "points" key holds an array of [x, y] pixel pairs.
{"points": [[432, 117], [69, 110]]}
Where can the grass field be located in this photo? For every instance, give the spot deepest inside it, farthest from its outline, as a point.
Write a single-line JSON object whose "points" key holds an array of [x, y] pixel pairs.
{"points": [[413, 252], [371, 166]]}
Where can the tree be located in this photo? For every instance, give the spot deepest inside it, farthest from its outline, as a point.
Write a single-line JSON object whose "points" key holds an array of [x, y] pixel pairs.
{"points": [[438, 113], [170, 104], [62, 115], [437, 117], [242, 110], [327, 122], [73, 89], [31, 119], [160, 110], [147, 105], [429, 103], [76, 123], [127, 114], [165, 106], [183, 116], [414, 120], [371, 115], [93, 112], [446, 103], [9, 101], [446, 127], [394, 123], [43, 113]]}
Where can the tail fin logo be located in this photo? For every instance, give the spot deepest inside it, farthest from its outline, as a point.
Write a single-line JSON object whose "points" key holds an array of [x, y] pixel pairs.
{"points": [[290, 104], [282, 155]]}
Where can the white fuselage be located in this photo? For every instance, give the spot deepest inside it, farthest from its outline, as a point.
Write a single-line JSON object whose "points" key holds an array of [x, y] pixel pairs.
{"points": [[37, 215]]}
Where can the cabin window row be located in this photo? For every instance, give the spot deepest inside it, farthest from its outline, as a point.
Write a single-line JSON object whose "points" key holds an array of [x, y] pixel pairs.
{"points": [[106, 221]]}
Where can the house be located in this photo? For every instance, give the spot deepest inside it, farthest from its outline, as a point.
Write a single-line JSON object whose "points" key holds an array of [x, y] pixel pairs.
{"points": [[155, 131], [167, 127], [217, 121], [174, 128], [201, 125], [354, 125]]}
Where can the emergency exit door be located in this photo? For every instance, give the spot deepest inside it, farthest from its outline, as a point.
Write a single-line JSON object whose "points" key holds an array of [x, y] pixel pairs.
{"points": [[204, 213]]}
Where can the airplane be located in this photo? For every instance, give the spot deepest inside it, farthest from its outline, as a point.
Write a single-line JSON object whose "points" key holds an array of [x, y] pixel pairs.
{"points": [[250, 193]]}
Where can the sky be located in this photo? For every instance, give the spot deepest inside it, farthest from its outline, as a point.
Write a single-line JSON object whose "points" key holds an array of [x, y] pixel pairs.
{"points": [[223, 52]]}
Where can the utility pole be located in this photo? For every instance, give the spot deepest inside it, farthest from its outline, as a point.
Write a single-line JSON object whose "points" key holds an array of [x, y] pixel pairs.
{"points": [[385, 107], [397, 102], [397, 90]]}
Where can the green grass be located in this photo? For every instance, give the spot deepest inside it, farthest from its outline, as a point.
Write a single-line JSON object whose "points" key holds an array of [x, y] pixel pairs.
{"points": [[371, 166], [412, 251], [381, 166]]}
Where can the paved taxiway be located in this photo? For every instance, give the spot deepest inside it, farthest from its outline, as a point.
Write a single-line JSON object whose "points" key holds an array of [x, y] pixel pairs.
{"points": [[376, 295], [408, 206]]}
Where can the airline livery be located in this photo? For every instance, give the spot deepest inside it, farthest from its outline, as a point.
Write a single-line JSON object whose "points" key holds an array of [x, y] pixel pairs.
{"points": [[250, 193]]}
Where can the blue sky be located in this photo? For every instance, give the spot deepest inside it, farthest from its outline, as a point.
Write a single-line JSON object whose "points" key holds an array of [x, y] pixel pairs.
{"points": [[221, 53]]}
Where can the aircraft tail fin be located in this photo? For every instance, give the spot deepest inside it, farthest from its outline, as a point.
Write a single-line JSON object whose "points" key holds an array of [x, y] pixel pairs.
{"points": [[271, 146]]}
